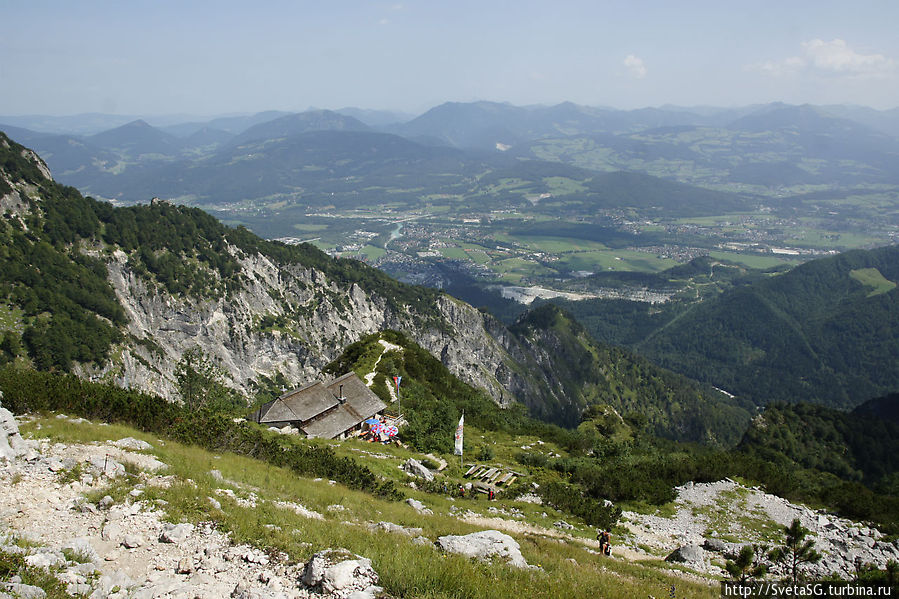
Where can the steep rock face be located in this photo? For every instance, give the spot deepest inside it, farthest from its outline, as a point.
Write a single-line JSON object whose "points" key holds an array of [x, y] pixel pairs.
{"points": [[475, 347], [178, 280], [229, 330], [323, 317]]}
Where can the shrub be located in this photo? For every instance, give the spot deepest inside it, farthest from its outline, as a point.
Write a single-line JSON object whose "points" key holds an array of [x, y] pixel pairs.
{"points": [[571, 499]]}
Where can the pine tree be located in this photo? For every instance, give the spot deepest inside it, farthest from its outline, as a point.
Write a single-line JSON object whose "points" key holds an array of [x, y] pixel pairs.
{"points": [[796, 551], [748, 564]]}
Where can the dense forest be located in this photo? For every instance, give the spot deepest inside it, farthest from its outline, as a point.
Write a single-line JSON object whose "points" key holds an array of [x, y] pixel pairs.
{"points": [[860, 445], [824, 332], [589, 373]]}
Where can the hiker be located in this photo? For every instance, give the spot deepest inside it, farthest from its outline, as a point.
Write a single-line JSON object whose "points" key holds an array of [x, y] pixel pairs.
{"points": [[490, 495], [605, 542]]}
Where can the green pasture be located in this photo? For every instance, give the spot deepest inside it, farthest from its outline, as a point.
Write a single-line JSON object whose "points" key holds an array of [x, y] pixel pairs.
{"points": [[873, 278], [372, 252], [310, 227], [551, 245], [753, 260], [454, 253], [836, 240], [563, 185], [623, 260]]}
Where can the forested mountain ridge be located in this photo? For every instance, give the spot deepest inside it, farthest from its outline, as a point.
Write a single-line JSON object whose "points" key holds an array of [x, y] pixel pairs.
{"points": [[858, 445], [120, 294], [824, 332], [591, 373]]}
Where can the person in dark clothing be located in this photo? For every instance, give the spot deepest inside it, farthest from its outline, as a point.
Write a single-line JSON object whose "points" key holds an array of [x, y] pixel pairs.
{"points": [[605, 542]]}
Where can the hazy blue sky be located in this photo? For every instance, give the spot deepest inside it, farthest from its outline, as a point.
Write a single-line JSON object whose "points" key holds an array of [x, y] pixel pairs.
{"points": [[162, 57]]}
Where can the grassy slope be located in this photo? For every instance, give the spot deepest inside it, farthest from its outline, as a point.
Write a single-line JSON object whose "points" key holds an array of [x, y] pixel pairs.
{"points": [[406, 569]]}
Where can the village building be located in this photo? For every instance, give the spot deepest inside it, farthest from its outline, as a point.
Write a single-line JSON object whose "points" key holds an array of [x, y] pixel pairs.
{"points": [[332, 410]]}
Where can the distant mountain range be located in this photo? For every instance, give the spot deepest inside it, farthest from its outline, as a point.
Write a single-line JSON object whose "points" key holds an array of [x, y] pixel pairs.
{"points": [[763, 147]]}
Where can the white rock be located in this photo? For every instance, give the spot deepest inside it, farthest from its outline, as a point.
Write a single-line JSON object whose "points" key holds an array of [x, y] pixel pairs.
{"points": [[175, 533], [132, 444], [185, 566], [11, 443], [82, 547], [690, 554], [416, 468], [419, 506], [132, 541], [108, 466], [24, 591], [340, 573], [44, 560], [483, 545]]}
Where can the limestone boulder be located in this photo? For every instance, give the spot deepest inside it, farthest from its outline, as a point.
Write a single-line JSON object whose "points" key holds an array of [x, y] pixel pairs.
{"points": [[176, 533], [484, 545], [341, 574], [416, 468], [11, 443], [419, 507], [132, 444], [688, 554]]}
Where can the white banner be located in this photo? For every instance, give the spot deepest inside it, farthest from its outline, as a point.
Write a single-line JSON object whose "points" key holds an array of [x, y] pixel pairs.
{"points": [[458, 449]]}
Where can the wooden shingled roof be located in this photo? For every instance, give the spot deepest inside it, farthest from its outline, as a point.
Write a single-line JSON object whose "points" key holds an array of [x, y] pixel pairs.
{"points": [[324, 410], [309, 401], [357, 394]]}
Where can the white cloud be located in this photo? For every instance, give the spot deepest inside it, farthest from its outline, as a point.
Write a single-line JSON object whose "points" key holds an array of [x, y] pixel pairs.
{"points": [[384, 22], [837, 56], [779, 68], [828, 58], [635, 66]]}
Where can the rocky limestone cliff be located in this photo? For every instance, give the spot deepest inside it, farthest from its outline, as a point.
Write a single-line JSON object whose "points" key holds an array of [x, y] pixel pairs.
{"points": [[323, 316]]}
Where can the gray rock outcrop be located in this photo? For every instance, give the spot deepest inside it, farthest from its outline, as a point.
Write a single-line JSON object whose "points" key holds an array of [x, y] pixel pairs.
{"points": [[132, 444], [484, 545], [416, 468], [11, 443], [419, 507], [726, 549], [341, 574], [103, 464], [176, 533], [23, 591], [688, 554]]}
